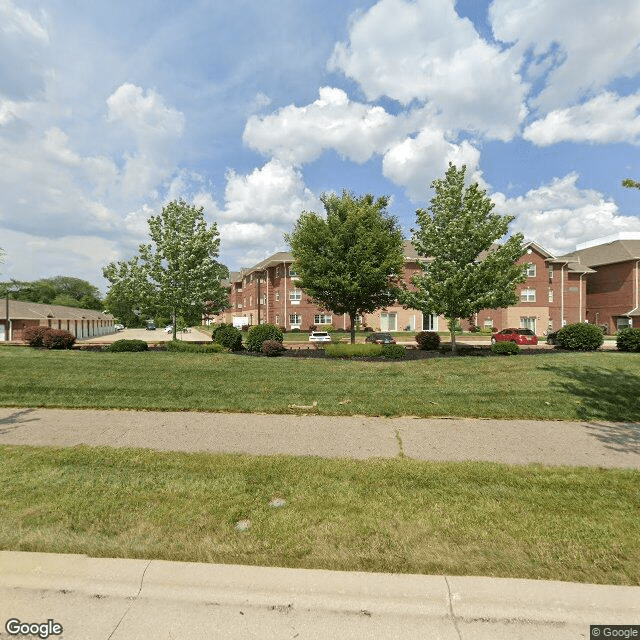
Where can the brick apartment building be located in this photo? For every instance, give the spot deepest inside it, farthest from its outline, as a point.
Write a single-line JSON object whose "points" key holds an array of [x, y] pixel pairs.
{"points": [[598, 283]]}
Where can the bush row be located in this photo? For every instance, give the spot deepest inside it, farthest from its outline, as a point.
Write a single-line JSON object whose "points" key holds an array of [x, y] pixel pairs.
{"points": [[392, 351], [192, 347]]}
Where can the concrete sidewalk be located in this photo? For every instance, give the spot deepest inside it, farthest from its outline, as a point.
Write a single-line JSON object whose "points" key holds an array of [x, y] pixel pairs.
{"points": [[100, 599], [443, 439]]}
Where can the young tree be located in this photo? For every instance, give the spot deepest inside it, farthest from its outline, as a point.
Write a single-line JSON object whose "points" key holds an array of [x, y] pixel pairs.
{"points": [[351, 260], [464, 271], [177, 272]]}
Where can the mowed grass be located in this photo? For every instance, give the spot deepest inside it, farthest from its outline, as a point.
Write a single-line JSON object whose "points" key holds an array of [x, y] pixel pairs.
{"points": [[555, 386], [399, 515]]}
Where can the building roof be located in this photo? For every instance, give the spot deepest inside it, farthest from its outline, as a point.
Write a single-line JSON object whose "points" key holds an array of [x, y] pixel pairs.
{"points": [[19, 310], [607, 253]]}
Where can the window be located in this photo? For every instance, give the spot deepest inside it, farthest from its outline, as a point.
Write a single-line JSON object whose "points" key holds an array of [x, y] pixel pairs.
{"points": [[277, 319], [250, 300], [321, 318], [429, 322], [388, 322], [528, 324], [550, 272], [488, 323], [277, 296], [531, 271], [263, 300], [528, 295], [295, 296], [277, 272], [294, 318], [550, 295], [292, 272]]}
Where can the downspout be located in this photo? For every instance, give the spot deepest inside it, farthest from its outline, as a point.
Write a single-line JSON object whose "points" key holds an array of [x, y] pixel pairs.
{"points": [[581, 276], [266, 271], [284, 275], [562, 295]]}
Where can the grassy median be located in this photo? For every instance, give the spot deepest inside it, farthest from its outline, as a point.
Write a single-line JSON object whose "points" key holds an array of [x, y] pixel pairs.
{"points": [[397, 515], [550, 386]]}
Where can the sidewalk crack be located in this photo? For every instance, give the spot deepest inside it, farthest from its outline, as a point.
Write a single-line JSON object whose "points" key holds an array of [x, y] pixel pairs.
{"points": [[132, 601], [451, 613]]}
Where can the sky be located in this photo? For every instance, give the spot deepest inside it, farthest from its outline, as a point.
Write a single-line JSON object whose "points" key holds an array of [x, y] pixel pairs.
{"points": [[253, 109]]}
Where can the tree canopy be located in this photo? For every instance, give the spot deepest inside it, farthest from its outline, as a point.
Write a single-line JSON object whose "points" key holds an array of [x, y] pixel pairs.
{"points": [[351, 260], [630, 184], [62, 290], [174, 275], [464, 271]]}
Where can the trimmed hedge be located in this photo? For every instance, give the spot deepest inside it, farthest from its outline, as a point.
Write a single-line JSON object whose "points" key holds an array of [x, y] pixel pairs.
{"points": [[120, 346], [261, 332], [393, 351], [580, 337], [505, 348], [228, 336], [428, 340], [58, 339], [180, 345], [272, 348], [628, 339]]}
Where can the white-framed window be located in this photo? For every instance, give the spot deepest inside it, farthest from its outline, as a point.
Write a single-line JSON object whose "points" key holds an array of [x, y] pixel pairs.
{"points": [[528, 323], [321, 318], [550, 272], [388, 321], [295, 296], [531, 270], [528, 295], [292, 272], [429, 322], [277, 272], [263, 300], [278, 320], [277, 296], [488, 323], [550, 295], [295, 319]]}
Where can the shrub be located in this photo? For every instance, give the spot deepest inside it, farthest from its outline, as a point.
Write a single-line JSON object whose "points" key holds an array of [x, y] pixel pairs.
{"points": [[295, 330], [428, 340], [505, 348], [228, 336], [367, 328], [58, 339], [272, 348], [261, 332], [34, 336], [192, 347], [580, 337], [628, 339], [283, 329], [127, 345], [353, 350], [393, 351]]}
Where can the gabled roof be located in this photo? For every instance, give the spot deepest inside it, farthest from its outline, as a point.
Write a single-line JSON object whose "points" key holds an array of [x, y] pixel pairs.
{"points": [[571, 264], [607, 253], [19, 310]]}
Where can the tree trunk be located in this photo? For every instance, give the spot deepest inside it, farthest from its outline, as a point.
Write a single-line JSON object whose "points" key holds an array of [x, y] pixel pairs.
{"points": [[352, 318], [452, 330]]}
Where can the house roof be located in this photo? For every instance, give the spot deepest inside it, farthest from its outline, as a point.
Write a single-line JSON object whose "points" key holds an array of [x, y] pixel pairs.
{"points": [[571, 264], [607, 253], [19, 310]]}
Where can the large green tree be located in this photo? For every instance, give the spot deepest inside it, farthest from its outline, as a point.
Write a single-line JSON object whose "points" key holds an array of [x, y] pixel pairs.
{"points": [[350, 260], [177, 273], [63, 290], [464, 271]]}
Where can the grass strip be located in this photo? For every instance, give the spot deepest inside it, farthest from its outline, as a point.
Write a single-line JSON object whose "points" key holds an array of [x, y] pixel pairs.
{"points": [[397, 515], [550, 386]]}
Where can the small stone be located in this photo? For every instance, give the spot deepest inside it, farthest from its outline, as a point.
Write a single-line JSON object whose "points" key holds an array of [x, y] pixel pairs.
{"points": [[243, 525], [277, 502]]}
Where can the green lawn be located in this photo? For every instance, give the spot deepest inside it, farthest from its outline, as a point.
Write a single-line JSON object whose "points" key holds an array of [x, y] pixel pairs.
{"points": [[555, 386], [397, 515]]}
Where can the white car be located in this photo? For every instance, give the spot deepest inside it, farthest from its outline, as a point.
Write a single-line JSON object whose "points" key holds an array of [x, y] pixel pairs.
{"points": [[319, 336], [169, 328], [118, 327]]}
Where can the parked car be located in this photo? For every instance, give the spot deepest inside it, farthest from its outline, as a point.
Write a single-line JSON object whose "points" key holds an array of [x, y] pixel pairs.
{"points": [[380, 337], [169, 328], [151, 326], [519, 336], [118, 327], [319, 336]]}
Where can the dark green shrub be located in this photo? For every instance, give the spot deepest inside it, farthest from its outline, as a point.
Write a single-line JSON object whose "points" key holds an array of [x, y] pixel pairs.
{"points": [[505, 348], [127, 345], [272, 348], [365, 350], [580, 337], [192, 347], [628, 339], [58, 339], [261, 332], [295, 330], [393, 351], [34, 336], [428, 340], [228, 336]]}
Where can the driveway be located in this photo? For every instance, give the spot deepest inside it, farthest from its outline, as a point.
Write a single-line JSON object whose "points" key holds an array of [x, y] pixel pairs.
{"points": [[157, 335]]}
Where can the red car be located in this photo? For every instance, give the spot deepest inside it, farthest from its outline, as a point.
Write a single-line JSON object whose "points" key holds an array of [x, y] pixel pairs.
{"points": [[519, 336]]}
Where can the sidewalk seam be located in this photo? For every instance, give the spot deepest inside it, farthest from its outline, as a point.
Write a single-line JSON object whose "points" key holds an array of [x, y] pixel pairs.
{"points": [[132, 601], [451, 612]]}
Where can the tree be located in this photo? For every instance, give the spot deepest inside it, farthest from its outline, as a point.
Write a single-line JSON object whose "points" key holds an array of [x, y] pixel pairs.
{"points": [[62, 290], [176, 273], [350, 261], [630, 184], [464, 272]]}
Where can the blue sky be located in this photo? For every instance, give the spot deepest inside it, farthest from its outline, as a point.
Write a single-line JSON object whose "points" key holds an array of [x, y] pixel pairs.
{"points": [[253, 109]]}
